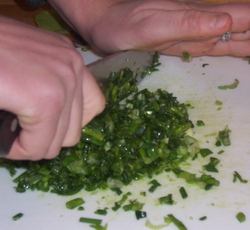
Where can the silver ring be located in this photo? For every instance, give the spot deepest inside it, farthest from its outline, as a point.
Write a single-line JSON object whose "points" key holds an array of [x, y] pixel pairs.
{"points": [[226, 37]]}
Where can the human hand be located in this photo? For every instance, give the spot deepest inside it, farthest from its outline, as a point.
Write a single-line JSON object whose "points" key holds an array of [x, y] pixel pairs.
{"points": [[170, 27], [44, 82]]}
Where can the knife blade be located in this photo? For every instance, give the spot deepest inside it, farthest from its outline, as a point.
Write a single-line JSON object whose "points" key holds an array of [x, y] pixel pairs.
{"points": [[138, 62]]}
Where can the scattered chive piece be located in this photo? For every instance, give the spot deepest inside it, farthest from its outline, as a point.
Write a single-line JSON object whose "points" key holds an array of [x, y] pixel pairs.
{"points": [[205, 152], [118, 191], [241, 217], [237, 176], [221, 151], [81, 208], [203, 218], [231, 86], [186, 56], [218, 102], [140, 214], [211, 166], [172, 219], [167, 199], [143, 193], [90, 221], [74, 203], [101, 212], [223, 137], [155, 185], [183, 193], [200, 123], [17, 216], [133, 206]]}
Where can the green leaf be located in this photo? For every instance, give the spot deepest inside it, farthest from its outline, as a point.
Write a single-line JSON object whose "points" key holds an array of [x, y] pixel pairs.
{"points": [[52, 21]]}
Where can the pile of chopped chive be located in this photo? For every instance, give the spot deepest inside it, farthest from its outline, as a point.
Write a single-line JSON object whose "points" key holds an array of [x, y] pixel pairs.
{"points": [[139, 134]]}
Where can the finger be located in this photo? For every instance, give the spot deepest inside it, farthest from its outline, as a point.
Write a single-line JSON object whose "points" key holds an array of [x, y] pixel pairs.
{"points": [[238, 11], [93, 98], [194, 48], [238, 48], [35, 137], [180, 26], [243, 36]]}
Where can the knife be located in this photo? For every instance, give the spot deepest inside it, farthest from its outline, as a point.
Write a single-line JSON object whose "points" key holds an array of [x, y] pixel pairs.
{"points": [[138, 62]]}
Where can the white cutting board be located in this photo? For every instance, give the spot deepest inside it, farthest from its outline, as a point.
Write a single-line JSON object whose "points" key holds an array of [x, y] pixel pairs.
{"points": [[190, 82]]}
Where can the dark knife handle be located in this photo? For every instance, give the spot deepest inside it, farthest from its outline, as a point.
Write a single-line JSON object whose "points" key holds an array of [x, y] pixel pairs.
{"points": [[9, 130]]}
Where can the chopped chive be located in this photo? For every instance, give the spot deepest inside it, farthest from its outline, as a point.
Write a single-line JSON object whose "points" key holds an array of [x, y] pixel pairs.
{"points": [[140, 214], [155, 185], [172, 219], [17, 216], [90, 221], [205, 152], [74, 203], [200, 123], [133, 206], [237, 176], [186, 56], [211, 166], [166, 199], [101, 212], [183, 193], [231, 86], [203, 218], [241, 217]]}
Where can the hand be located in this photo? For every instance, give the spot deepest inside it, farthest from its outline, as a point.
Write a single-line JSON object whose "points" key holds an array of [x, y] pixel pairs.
{"points": [[170, 27], [44, 82]]}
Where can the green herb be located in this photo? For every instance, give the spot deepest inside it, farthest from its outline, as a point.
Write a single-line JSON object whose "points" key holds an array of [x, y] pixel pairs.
{"points": [[205, 152], [221, 151], [205, 64], [74, 203], [51, 20], [17, 216], [167, 199], [153, 226], [101, 212], [218, 102], [241, 217], [119, 203], [183, 193], [231, 86], [200, 123], [90, 221], [133, 206], [237, 176], [186, 56], [155, 185], [140, 214], [211, 166], [223, 137], [205, 181], [172, 219], [203, 218]]}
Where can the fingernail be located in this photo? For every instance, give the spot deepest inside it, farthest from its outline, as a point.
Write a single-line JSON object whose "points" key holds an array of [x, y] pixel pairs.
{"points": [[220, 21]]}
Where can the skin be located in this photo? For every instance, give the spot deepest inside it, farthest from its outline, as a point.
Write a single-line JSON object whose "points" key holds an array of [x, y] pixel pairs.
{"points": [[170, 27], [54, 95]]}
